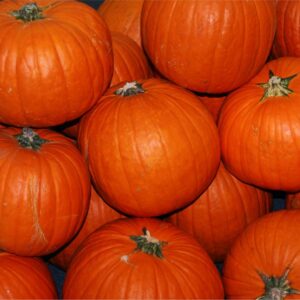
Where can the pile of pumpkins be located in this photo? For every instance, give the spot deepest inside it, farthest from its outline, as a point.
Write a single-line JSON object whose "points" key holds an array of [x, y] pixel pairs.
{"points": [[143, 142]]}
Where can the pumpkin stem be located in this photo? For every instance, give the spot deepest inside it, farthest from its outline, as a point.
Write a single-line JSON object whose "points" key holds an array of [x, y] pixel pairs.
{"points": [[30, 139], [148, 244], [277, 288], [29, 12], [129, 89], [276, 86]]}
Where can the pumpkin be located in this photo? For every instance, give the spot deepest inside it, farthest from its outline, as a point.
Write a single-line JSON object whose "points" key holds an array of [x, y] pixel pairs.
{"points": [[130, 62], [292, 200], [44, 191], [213, 104], [99, 213], [55, 64], [258, 128], [142, 259], [222, 212], [264, 262], [287, 38], [209, 46], [25, 278], [123, 16], [151, 146]]}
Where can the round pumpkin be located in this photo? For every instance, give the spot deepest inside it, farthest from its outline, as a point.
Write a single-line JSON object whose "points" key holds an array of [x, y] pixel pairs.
{"points": [[287, 38], [264, 262], [56, 61], [222, 212], [213, 104], [123, 16], [44, 191], [258, 127], [208, 46], [25, 278], [142, 259], [151, 146], [99, 213], [130, 62]]}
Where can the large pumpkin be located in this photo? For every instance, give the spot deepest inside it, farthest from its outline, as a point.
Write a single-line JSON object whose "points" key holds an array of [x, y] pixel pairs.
{"points": [[25, 278], [259, 127], [151, 146], [99, 213], [130, 62], [222, 212], [55, 61], [123, 16], [44, 191], [287, 38], [141, 259], [208, 46], [264, 262]]}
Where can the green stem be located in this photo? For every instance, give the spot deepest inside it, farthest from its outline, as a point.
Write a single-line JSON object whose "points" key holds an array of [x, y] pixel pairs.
{"points": [[277, 288], [29, 12], [148, 244], [129, 89], [30, 139], [276, 86]]}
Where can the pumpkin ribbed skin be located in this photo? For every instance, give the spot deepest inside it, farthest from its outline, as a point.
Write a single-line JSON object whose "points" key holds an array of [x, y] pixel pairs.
{"points": [[130, 62], [99, 213], [25, 278], [185, 271], [44, 193], [150, 153], [222, 212], [54, 69], [208, 46], [269, 245], [287, 38], [123, 16], [259, 138]]}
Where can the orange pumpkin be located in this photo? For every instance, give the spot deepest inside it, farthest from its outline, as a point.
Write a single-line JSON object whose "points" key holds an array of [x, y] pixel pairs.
{"points": [[209, 46], [222, 212], [287, 38], [141, 259], [258, 127], [25, 278], [213, 104], [264, 262], [99, 213], [57, 61], [152, 147], [44, 191], [130, 62], [123, 16], [292, 200]]}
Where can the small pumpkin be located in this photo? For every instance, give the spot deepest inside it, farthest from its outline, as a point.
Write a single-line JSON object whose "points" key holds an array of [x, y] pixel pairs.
{"points": [[44, 191], [99, 213], [287, 38], [55, 64], [264, 262], [292, 200], [25, 278], [151, 146], [143, 259], [123, 16], [258, 127], [222, 212], [208, 46]]}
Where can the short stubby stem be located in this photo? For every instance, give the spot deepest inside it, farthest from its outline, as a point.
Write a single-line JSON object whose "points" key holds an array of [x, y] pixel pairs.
{"points": [[30, 139], [28, 13], [129, 89]]}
